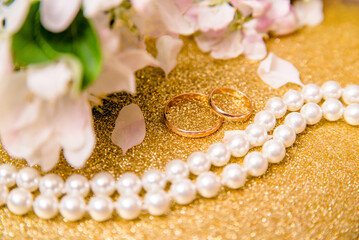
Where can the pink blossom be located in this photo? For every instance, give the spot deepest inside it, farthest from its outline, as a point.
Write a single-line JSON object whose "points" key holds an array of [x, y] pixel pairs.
{"points": [[160, 17], [36, 128], [211, 19]]}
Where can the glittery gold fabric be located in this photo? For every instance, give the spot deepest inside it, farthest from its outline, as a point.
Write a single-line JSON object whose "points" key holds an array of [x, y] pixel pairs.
{"points": [[312, 194]]}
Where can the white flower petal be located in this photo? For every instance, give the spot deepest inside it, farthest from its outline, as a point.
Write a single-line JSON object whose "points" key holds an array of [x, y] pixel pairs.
{"points": [[15, 15], [136, 59], [49, 82], [115, 77], [16, 109], [6, 65], [23, 142], [229, 47], [78, 157], [206, 43], [57, 15], [278, 8], [250, 7], [46, 156], [173, 19], [276, 72], [73, 117], [184, 5], [94, 7], [167, 51], [254, 46], [130, 128], [216, 17], [309, 12]]}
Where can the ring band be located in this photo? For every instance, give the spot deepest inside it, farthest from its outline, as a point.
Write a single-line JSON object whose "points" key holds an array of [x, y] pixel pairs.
{"points": [[234, 93], [187, 133]]}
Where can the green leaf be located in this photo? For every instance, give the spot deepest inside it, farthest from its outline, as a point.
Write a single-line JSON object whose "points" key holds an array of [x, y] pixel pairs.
{"points": [[33, 44]]}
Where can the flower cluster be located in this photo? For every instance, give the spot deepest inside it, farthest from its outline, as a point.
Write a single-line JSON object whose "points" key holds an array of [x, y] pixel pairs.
{"points": [[58, 56]]}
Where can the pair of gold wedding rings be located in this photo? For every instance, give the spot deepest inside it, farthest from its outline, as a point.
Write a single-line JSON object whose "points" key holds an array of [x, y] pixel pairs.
{"points": [[214, 106]]}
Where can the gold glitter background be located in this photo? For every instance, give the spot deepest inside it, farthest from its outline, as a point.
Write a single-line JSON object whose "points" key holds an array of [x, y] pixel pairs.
{"points": [[312, 194]]}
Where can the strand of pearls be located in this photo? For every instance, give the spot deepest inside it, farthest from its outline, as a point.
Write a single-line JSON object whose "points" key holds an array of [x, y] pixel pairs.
{"points": [[157, 201]]}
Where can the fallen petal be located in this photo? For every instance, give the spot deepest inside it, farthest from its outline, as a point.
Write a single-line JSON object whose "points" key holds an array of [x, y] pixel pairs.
{"points": [[167, 51], [56, 15], [130, 128], [38, 80], [276, 72], [309, 13]]}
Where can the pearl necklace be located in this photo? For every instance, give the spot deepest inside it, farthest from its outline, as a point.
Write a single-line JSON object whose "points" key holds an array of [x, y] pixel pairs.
{"points": [[182, 190]]}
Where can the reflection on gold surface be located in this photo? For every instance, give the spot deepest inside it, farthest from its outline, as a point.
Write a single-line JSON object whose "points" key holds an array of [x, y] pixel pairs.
{"points": [[312, 194]]}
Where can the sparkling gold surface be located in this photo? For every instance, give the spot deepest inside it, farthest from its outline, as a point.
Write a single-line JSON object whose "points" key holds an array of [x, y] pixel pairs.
{"points": [[312, 194]]}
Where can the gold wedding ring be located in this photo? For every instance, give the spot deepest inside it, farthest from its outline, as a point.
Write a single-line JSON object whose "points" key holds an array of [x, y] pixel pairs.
{"points": [[235, 93], [192, 134]]}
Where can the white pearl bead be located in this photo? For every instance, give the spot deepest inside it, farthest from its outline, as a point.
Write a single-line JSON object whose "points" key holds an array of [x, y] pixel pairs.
{"points": [[176, 169], [46, 206], [198, 163], [153, 179], [51, 184], [277, 106], [312, 113], [103, 183], [157, 202], [285, 134], [72, 207], [4, 191], [332, 109], [19, 201], [256, 134], [266, 119], [351, 114], [296, 121], [255, 164], [218, 154], [351, 94], [332, 89], [273, 151], [312, 93], [208, 184], [128, 183], [129, 206], [294, 100], [77, 184], [238, 144], [28, 178], [234, 176], [183, 191], [8, 175], [100, 208]]}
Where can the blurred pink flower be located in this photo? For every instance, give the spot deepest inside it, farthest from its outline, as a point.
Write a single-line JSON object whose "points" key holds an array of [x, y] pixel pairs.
{"points": [[36, 126], [210, 18], [155, 18], [309, 13]]}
